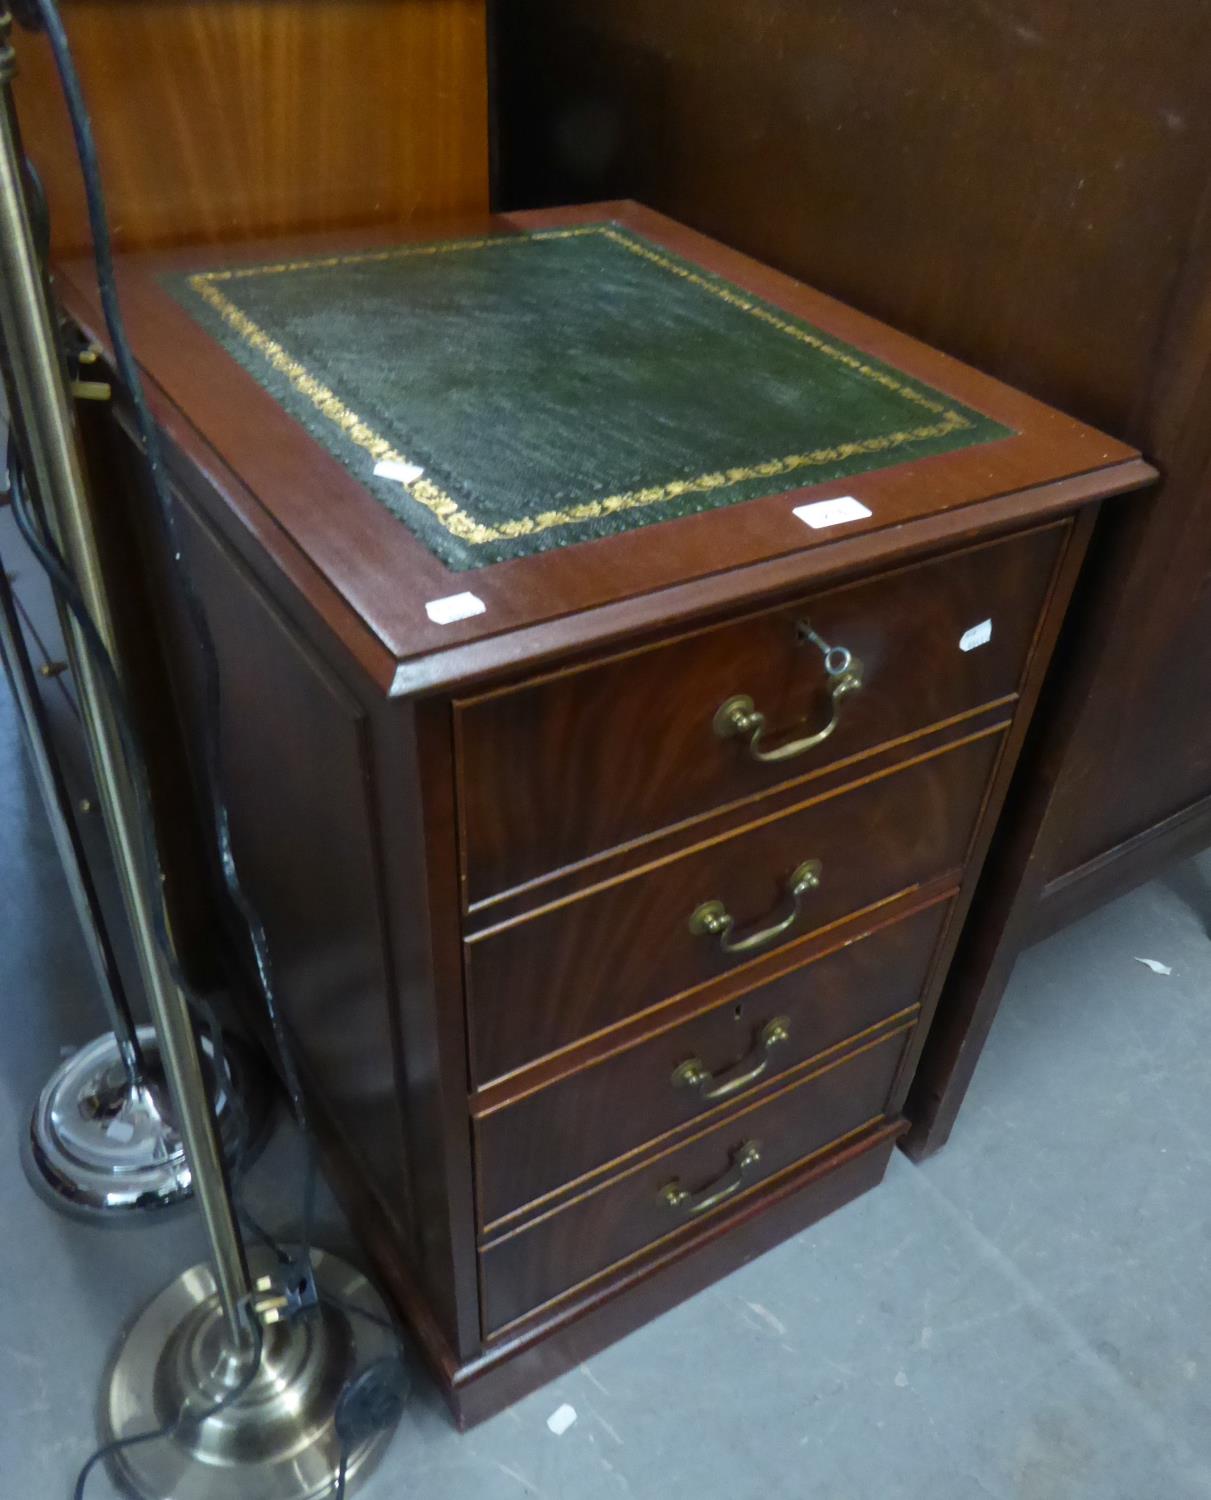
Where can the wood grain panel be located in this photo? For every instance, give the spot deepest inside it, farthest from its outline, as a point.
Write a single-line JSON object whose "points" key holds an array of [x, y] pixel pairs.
{"points": [[306, 839], [537, 1262], [1016, 184], [568, 970], [577, 1125], [237, 117], [533, 759]]}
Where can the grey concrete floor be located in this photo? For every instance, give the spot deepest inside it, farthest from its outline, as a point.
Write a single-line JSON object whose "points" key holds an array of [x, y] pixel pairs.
{"points": [[1025, 1318]]}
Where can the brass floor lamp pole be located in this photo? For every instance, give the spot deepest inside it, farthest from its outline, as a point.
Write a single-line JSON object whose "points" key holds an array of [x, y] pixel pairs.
{"points": [[102, 1142], [213, 1390], [45, 434]]}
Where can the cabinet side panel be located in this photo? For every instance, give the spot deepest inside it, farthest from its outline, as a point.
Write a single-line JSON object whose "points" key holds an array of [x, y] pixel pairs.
{"points": [[299, 775]]}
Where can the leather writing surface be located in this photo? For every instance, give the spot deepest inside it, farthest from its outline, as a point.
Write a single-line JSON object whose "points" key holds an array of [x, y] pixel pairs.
{"points": [[525, 391]]}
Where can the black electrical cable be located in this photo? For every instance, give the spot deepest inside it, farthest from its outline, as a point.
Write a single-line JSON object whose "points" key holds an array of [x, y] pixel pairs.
{"points": [[371, 1400], [136, 1439], [51, 560], [53, 563], [149, 437], [374, 1396]]}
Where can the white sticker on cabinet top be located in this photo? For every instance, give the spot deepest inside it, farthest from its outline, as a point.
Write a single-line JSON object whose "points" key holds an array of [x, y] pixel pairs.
{"points": [[832, 512], [454, 607]]}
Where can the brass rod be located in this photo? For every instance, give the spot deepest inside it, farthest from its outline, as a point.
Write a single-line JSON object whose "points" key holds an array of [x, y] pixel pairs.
{"points": [[44, 426], [55, 798]]}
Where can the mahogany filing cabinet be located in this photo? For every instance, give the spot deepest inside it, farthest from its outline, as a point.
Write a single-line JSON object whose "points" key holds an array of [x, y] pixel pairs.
{"points": [[611, 870]]}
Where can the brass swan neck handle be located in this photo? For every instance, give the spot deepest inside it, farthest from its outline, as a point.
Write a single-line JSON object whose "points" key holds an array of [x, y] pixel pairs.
{"points": [[738, 716], [712, 918]]}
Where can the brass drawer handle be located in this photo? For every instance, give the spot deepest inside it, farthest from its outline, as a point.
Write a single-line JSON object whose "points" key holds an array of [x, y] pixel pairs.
{"points": [[713, 919], [694, 1074], [739, 716], [691, 1204]]}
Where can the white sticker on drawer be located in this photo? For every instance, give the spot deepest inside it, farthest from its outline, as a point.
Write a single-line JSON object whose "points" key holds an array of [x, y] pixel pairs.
{"points": [[978, 635], [454, 607], [832, 512]]}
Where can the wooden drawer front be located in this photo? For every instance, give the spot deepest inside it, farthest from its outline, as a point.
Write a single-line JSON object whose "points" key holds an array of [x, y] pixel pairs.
{"points": [[547, 980], [590, 1118], [585, 1237], [535, 760]]}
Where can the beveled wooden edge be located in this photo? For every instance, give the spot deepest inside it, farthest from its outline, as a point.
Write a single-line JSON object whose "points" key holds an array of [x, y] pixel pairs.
{"points": [[561, 670], [329, 535], [707, 598], [227, 507]]}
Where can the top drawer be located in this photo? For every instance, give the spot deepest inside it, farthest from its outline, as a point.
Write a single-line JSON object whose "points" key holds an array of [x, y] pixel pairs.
{"points": [[579, 762]]}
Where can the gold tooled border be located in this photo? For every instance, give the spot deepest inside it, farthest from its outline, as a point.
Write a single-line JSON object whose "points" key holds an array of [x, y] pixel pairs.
{"points": [[443, 507]]}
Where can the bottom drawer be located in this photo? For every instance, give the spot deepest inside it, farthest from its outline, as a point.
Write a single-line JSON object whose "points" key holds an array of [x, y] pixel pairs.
{"points": [[688, 1185]]}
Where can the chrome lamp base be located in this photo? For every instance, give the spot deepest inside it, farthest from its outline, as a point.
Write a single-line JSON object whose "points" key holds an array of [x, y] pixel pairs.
{"points": [[278, 1440], [105, 1151]]}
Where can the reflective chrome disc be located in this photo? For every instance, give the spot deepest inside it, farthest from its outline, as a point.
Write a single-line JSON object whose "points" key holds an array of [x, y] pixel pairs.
{"points": [[106, 1151]]}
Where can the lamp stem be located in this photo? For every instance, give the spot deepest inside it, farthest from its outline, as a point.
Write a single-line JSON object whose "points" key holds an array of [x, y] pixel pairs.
{"points": [[45, 430], [55, 798]]}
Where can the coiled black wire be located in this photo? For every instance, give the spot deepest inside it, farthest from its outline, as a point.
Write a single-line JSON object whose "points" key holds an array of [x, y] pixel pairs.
{"points": [[53, 564], [183, 1418], [48, 555], [149, 439]]}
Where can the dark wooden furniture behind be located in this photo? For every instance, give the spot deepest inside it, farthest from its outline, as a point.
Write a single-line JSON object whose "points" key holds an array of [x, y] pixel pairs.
{"points": [[219, 121], [556, 1102], [1027, 187]]}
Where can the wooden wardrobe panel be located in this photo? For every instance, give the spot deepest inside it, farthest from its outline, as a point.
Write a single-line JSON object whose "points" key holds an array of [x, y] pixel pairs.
{"points": [[1026, 187], [1017, 184], [231, 118]]}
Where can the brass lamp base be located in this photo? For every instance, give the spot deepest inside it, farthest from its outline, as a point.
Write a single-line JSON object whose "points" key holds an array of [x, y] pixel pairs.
{"points": [[106, 1151], [278, 1440]]}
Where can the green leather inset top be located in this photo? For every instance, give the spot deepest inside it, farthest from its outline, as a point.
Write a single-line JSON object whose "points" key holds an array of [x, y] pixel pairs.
{"points": [[528, 391]]}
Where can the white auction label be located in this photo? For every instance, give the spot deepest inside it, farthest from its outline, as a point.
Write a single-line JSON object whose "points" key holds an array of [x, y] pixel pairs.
{"points": [[402, 473], [561, 1419], [978, 635], [454, 607], [832, 512]]}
